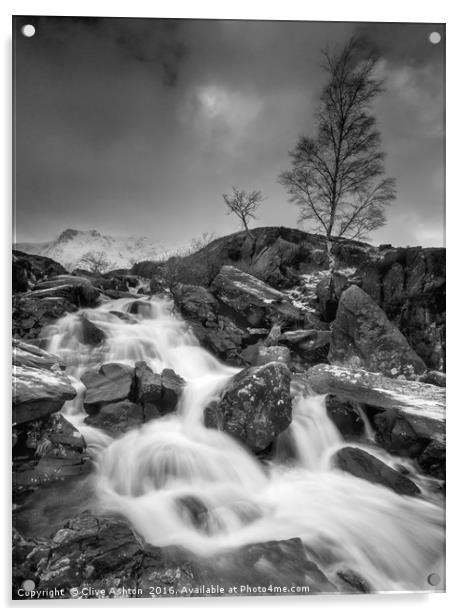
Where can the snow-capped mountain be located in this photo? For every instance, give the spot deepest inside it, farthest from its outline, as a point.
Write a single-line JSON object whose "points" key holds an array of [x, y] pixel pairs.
{"points": [[75, 248]]}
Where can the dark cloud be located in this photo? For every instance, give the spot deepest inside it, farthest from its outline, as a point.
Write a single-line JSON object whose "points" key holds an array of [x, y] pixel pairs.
{"points": [[138, 126]]}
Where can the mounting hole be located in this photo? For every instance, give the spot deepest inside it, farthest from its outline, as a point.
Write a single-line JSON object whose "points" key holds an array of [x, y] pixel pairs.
{"points": [[435, 38], [28, 30], [433, 579]]}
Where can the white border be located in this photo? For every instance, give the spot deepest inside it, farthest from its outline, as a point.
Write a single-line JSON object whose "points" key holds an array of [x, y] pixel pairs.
{"points": [[336, 10]]}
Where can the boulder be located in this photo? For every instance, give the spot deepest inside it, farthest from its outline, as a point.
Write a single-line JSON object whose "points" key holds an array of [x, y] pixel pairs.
{"points": [[434, 377], [255, 406], [362, 336], [88, 333], [252, 299], [112, 382], [409, 284], [195, 302], [157, 394], [38, 391], [75, 289], [31, 356], [142, 308], [366, 466], [312, 345], [46, 450]]}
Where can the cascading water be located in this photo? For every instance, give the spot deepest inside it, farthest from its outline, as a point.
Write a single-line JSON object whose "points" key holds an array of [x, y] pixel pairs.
{"points": [[178, 482]]}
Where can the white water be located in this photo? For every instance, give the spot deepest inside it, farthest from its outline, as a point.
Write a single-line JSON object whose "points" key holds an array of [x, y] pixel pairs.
{"points": [[154, 475]]}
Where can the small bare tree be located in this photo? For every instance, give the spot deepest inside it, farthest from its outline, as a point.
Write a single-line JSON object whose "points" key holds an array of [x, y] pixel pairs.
{"points": [[96, 262], [336, 177], [244, 205]]}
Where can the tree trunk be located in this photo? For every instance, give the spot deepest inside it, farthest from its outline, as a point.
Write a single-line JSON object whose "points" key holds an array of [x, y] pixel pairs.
{"points": [[330, 254]]}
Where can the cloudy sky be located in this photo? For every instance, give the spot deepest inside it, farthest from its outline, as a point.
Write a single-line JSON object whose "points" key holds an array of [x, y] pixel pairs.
{"points": [[137, 127]]}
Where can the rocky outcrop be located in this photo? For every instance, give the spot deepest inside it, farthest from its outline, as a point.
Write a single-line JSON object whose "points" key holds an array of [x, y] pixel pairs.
{"points": [[30, 269], [362, 336], [103, 554], [408, 416], [46, 447], [112, 382], [255, 406], [32, 314], [252, 299], [362, 464], [75, 289], [47, 450], [410, 286]]}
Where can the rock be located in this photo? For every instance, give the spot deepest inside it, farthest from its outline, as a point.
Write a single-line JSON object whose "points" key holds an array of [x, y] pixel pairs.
{"points": [[329, 291], [47, 450], [38, 392], [103, 554], [112, 382], [117, 418], [32, 314], [432, 459], [195, 302], [410, 286], [124, 316], [434, 377], [141, 308], [365, 466], [252, 299], [157, 394], [31, 356], [77, 290], [353, 581], [273, 337], [29, 269], [362, 336], [407, 415], [344, 415], [267, 354], [88, 333], [312, 345], [255, 406]]}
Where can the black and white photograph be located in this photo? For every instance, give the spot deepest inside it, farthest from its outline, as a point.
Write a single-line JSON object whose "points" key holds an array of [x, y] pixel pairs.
{"points": [[228, 308]]}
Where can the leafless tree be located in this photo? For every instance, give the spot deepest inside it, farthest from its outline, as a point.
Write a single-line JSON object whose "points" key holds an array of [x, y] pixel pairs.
{"points": [[337, 177], [243, 204], [96, 262]]}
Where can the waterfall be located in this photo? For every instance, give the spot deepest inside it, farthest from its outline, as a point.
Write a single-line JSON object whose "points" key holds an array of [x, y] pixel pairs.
{"points": [[178, 482]]}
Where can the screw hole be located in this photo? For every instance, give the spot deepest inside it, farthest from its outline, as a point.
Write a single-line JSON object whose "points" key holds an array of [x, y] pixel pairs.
{"points": [[435, 38], [28, 30]]}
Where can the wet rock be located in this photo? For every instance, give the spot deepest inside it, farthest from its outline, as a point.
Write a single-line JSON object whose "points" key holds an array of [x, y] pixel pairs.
{"points": [[255, 406], [195, 302], [267, 354], [344, 415], [124, 316], [117, 418], [407, 415], [157, 394], [112, 382], [47, 450], [312, 345], [362, 464], [363, 337], [257, 302], [141, 308], [88, 333], [353, 581], [432, 459]]}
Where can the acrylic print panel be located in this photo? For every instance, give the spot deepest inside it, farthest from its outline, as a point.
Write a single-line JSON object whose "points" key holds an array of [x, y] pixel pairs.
{"points": [[228, 308]]}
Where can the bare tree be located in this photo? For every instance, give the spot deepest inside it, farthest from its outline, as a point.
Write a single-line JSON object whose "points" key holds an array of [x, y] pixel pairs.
{"points": [[243, 204], [337, 177], [96, 262]]}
